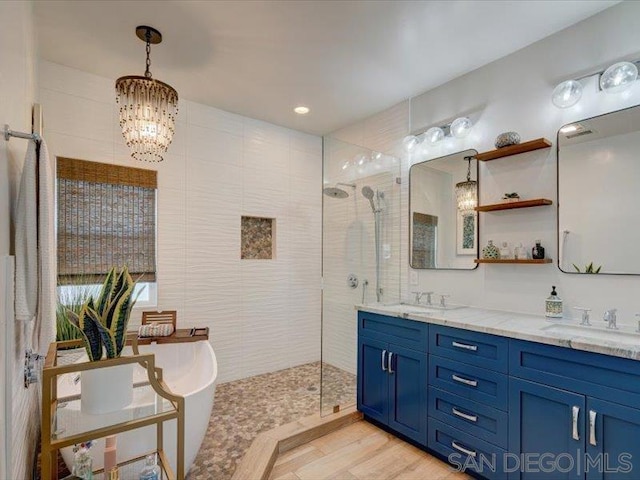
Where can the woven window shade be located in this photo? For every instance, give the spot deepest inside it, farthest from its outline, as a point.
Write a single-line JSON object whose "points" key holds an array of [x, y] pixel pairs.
{"points": [[106, 218]]}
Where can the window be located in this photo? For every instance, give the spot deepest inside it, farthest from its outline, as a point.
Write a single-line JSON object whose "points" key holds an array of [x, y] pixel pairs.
{"points": [[106, 217]]}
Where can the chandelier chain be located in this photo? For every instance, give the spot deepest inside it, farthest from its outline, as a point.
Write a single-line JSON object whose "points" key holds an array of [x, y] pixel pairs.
{"points": [[147, 72]]}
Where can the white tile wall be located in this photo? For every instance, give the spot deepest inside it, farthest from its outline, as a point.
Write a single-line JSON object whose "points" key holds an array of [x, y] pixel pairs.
{"points": [[263, 315], [17, 94], [514, 93]]}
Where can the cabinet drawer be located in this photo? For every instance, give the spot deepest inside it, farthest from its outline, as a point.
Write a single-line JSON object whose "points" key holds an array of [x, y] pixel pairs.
{"points": [[480, 349], [463, 449], [602, 376], [408, 333], [474, 383], [472, 417]]}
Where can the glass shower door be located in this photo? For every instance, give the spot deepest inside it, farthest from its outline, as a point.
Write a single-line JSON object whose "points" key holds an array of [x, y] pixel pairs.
{"points": [[360, 256]]}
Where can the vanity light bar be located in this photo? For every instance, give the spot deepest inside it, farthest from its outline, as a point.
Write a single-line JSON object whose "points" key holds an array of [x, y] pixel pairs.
{"points": [[459, 128]]}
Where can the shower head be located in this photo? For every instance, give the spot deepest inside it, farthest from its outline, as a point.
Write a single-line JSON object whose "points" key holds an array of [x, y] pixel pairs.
{"points": [[367, 192], [335, 192]]}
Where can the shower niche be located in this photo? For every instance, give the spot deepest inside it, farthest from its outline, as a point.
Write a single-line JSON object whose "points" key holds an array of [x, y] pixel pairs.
{"points": [[361, 237]]}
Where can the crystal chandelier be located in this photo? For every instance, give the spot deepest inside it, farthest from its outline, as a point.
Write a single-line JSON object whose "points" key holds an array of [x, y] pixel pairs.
{"points": [[148, 108], [467, 192]]}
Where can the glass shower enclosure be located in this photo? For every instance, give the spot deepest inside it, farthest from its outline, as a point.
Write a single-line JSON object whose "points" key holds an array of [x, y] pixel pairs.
{"points": [[360, 256]]}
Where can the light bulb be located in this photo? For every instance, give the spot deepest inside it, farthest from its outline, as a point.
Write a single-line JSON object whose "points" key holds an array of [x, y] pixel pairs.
{"points": [[434, 134], [361, 159], [346, 164], [618, 77], [567, 94], [376, 156], [461, 127], [410, 142]]}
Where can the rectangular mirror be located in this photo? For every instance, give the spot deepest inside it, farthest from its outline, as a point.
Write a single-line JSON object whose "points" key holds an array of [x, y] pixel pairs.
{"points": [[441, 236], [598, 194]]}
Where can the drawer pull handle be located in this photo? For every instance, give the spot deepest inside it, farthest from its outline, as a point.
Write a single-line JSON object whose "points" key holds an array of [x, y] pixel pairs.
{"points": [[389, 367], [460, 448], [592, 427], [465, 346], [466, 381], [384, 366], [466, 416], [575, 412]]}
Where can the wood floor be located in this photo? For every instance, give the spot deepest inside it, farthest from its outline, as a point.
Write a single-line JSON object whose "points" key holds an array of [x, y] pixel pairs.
{"points": [[360, 452]]}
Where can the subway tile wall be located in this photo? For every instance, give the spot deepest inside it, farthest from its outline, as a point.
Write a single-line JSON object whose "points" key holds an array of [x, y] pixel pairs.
{"points": [[263, 315]]}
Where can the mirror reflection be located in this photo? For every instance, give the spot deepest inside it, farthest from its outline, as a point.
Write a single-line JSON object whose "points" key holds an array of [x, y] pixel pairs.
{"points": [[598, 197], [443, 225]]}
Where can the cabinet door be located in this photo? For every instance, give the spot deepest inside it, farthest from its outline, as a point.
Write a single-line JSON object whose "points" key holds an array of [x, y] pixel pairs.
{"points": [[373, 379], [613, 447], [408, 393], [547, 429]]}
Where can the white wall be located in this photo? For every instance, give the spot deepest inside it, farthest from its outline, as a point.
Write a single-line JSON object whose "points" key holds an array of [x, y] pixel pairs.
{"points": [[263, 315], [17, 94], [514, 93]]}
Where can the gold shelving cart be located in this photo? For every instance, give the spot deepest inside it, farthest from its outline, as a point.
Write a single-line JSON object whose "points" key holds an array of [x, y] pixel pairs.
{"points": [[64, 425]]}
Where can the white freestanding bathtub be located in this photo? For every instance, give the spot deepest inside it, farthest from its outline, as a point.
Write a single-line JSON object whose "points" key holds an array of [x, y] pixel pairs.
{"points": [[189, 369]]}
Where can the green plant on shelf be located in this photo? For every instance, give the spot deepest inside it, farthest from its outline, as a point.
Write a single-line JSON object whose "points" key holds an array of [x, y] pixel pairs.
{"points": [[103, 321], [588, 268]]}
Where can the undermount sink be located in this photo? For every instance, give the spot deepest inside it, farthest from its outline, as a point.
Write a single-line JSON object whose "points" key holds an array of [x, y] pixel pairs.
{"points": [[621, 335]]}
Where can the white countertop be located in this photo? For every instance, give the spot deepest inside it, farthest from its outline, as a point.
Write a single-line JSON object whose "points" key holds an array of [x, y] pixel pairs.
{"points": [[623, 343]]}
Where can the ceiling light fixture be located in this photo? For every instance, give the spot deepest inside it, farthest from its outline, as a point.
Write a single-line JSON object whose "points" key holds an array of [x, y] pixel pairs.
{"points": [[148, 107], [467, 192], [615, 79], [301, 110]]}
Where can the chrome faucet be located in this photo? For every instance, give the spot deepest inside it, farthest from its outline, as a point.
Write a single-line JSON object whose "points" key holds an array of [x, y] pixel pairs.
{"points": [[428, 294], [443, 300], [610, 316], [418, 296], [585, 316]]}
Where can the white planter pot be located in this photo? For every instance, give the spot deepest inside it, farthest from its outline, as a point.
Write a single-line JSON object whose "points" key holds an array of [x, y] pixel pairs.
{"points": [[106, 390]]}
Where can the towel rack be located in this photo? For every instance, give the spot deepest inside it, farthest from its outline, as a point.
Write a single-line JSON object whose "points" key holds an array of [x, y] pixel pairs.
{"points": [[36, 121]]}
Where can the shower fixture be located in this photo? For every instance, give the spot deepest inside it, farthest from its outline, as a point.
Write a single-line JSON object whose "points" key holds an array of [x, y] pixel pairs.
{"points": [[369, 194], [337, 192]]}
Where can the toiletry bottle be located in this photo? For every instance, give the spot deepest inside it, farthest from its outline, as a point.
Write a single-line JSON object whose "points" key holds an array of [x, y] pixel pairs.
{"points": [[505, 251], [520, 253], [151, 471], [110, 453], [537, 252], [553, 305], [114, 474], [491, 251]]}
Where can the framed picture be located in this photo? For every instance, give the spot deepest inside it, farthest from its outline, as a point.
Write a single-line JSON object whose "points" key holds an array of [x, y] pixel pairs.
{"points": [[467, 234]]}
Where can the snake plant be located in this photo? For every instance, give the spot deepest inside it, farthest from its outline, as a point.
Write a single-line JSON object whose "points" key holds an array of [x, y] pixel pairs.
{"points": [[103, 321]]}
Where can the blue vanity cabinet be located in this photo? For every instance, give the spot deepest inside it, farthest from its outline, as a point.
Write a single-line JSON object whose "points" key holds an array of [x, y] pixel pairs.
{"points": [[392, 373], [554, 384], [613, 441], [545, 424]]}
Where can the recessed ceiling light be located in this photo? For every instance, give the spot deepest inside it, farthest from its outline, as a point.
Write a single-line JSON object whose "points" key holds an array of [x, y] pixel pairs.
{"points": [[300, 110]]}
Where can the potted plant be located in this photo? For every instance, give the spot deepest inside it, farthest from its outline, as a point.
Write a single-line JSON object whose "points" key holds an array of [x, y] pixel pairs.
{"points": [[102, 323]]}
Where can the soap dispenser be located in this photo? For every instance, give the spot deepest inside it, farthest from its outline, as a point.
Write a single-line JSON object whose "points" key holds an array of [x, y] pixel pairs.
{"points": [[537, 252], [553, 305]]}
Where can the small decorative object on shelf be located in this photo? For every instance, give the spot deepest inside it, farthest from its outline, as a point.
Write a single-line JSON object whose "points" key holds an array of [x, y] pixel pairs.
{"points": [[507, 138], [553, 305], [505, 251], [511, 197], [151, 470], [491, 251], [537, 252], [520, 253], [82, 462], [588, 268]]}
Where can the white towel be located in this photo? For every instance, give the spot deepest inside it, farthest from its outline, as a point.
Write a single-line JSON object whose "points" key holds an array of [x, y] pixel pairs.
{"points": [[35, 246], [26, 239], [45, 327]]}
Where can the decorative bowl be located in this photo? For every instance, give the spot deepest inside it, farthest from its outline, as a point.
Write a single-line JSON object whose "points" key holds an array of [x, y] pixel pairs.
{"points": [[507, 138]]}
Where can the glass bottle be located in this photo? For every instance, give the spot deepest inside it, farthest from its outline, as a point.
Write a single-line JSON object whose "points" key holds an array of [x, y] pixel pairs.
{"points": [[83, 464], [150, 471], [537, 252], [553, 305], [520, 252], [505, 251]]}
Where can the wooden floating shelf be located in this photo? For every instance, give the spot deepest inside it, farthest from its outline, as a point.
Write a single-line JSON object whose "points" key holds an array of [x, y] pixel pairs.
{"points": [[537, 202], [522, 261], [530, 146]]}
